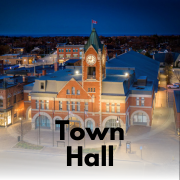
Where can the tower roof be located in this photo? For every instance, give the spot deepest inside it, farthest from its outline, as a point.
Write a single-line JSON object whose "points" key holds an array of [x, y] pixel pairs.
{"points": [[94, 41]]}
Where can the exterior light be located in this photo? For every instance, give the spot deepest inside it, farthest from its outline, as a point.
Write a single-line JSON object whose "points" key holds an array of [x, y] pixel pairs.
{"points": [[77, 72], [126, 74], [20, 119]]}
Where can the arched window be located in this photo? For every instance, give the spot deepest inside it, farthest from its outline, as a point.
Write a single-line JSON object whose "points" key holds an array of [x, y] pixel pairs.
{"points": [[78, 92], [67, 91], [73, 90], [1, 101], [44, 122], [112, 123], [90, 125], [140, 118]]}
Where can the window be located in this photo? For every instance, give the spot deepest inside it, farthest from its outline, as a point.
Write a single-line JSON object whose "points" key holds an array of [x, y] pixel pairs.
{"points": [[1, 102], [76, 50], [93, 89], [73, 106], [118, 107], [73, 90], [73, 50], [142, 101], [8, 103], [75, 55], [61, 55], [107, 107], [42, 104], [46, 104], [68, 55], [78, 106], [88, 89], [62, 50], [112, 108], [78, 92], [67, 91], [91, 73], [42, 85], [137, 101], [37, 104], [29, 97], [86, 106], [14, 98], [68, 105], [66, 50], [59, 50], [69, 50], [60, 105]]}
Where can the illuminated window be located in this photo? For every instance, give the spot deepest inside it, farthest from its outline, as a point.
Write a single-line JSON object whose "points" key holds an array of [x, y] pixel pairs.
{"points": [[29, 97], [1, 101], [46, 104], [118, 107], [107, 107], [112, 108]]}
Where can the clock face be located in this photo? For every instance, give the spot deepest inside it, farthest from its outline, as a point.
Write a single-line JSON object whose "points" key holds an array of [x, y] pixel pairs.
{"points": [[91, 60]]}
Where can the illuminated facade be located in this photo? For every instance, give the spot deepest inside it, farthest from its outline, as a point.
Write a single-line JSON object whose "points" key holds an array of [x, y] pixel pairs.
{"points": [[91, 95]]}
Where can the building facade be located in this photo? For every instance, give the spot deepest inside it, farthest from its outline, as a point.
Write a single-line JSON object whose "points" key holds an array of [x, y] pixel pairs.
{"points": [[91, 95], [65, 52]]}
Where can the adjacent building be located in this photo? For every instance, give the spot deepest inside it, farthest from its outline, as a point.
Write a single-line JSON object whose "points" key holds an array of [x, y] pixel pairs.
{"points": [[65, 52]]}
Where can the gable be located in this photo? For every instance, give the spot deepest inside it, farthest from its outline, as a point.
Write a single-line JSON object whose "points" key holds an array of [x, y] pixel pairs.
{"points": [[73, 83]]}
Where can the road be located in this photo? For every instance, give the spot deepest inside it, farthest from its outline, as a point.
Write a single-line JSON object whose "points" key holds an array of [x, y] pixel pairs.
{"points": [[16, 165]]}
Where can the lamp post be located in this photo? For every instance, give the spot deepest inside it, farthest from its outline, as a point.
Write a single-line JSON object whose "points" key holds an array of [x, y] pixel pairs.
{"points": [[119, 122], [21, 129]]}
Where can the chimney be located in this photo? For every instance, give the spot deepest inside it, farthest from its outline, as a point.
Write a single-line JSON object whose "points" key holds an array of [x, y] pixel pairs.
{"points": [[56, 66], [43, 72]]}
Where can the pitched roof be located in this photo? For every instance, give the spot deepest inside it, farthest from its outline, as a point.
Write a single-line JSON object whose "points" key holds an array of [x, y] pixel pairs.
{"points": [[144, 66], [94, 41], [161, 56]]}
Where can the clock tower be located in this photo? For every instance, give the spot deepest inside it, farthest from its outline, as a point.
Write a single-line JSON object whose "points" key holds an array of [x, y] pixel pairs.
{"points": [[94, 69]]}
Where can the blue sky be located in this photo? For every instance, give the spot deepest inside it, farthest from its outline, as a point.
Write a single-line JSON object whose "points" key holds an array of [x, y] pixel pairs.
{"points": [[74, 17]]}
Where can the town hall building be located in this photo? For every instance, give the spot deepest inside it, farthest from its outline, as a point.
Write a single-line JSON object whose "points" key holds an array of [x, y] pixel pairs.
{"points": [[92, 95]]}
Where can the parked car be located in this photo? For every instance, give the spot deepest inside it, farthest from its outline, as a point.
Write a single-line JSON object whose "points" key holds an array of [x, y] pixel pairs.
{"points": [[177, 84], [173, 86]]}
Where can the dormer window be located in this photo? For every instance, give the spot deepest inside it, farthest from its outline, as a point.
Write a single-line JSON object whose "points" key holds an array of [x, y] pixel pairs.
{"points": [[42, 85]]}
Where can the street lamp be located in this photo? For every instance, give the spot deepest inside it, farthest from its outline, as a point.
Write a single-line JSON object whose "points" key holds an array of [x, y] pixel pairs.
{"points": [[119, 122], [21, 129]]}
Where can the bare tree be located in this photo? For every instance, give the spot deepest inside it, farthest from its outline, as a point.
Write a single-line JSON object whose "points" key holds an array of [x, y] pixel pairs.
{"points": [[169, 59], [22, 128], [177, 74]]}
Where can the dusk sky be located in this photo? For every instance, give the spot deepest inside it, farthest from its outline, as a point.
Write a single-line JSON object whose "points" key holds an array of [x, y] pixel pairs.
{"points": [[74, 17]]}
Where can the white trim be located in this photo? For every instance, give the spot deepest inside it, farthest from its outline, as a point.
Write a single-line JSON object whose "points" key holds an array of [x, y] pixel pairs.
{"points": [[131, 119], [90, 119], [123, 126], [57, 117], [41, 113], [27, 110], [78, 117], [138, 95], [27, 91]]}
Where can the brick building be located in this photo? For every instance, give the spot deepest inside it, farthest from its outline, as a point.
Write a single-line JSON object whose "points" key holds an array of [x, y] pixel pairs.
{"points": [[65, 52], [92, 93], [11, 99]]}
